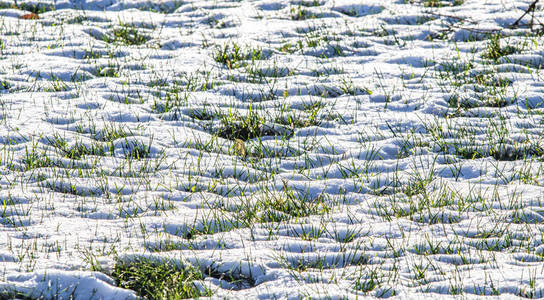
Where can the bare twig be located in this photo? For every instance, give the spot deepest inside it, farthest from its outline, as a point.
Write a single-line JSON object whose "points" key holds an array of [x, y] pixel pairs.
{"points": [[530, 9]]}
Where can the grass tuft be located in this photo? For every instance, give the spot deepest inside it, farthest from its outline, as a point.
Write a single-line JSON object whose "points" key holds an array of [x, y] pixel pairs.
{"points": [[495, 50], [158, 280], [233, 55], [299, 14], [235, 126], [240, 127], [126, 34], [4, 85]]}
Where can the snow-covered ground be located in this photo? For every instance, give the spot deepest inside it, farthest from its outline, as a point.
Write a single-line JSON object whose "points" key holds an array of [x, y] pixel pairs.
{"points": [[308, 148]]}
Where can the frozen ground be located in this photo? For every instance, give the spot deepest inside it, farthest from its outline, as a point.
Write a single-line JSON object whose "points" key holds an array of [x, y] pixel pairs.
{"points": [[285, 149]]}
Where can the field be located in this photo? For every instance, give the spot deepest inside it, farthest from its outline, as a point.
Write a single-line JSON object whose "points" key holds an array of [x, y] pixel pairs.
{"points": [[271, 149]]}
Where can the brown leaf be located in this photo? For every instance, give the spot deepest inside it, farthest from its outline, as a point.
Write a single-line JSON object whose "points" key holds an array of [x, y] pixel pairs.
{"points": [[240, 147], [30, 16]]}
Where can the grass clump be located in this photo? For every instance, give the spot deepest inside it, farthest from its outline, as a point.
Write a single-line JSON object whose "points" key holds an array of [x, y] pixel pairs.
{"points": [[13, 294], [369, 281], [433, 3], [135, 149], [33, 159], [349, 12], [278, 208], [310, 3], [158, 279], [91, 54], [285, 205], [441, 3], [232, 56], [499, 151], [495, 50], [310, 117], [128, 35], [294, 120], [4, 85], [235, 126], [77, 150], [112, 132], [299, 14], [112, 71], [37, 8]]}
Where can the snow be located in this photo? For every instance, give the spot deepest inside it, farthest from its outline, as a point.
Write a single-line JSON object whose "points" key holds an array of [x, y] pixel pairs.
{"points": [[65, 285], [424, 163]]}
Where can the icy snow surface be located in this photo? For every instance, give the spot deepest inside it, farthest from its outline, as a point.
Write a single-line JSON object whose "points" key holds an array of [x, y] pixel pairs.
{"points": [[407, 153]]}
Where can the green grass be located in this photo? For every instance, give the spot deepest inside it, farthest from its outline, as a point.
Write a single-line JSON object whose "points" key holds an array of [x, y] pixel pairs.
{"points": [[128, 35], [31, 7], [300, 14], [251, 125], [111, 133], [155, 280], [233, 55], [78, 150], [495, 49], [111, 71], [34, 159], [5, 85], [308, 3], [137, 149], [310, 116], [243, 127], [280, 207], [440, 3], [14, 295]]}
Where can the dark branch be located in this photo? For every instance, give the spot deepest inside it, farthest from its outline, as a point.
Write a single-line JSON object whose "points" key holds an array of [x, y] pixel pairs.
{"points": [[531, 8]]}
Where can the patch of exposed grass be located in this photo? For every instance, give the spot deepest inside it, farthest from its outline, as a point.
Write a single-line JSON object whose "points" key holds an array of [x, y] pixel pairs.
{"points": [[298, 14], [158, 279], [500, 151], [91, 54], [8, 294], [495, 50], [76, 20], [299, 120], [136, 149], [309, 3], [112, 132], [77, 150], [278, 208], [438, 3], [232, 55], [126, 34], [236, 126], [204, 114], [286, 205], [4, 85], [36, 8], [369, 281], [107, 71], [172, 103], [33, 159]]}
